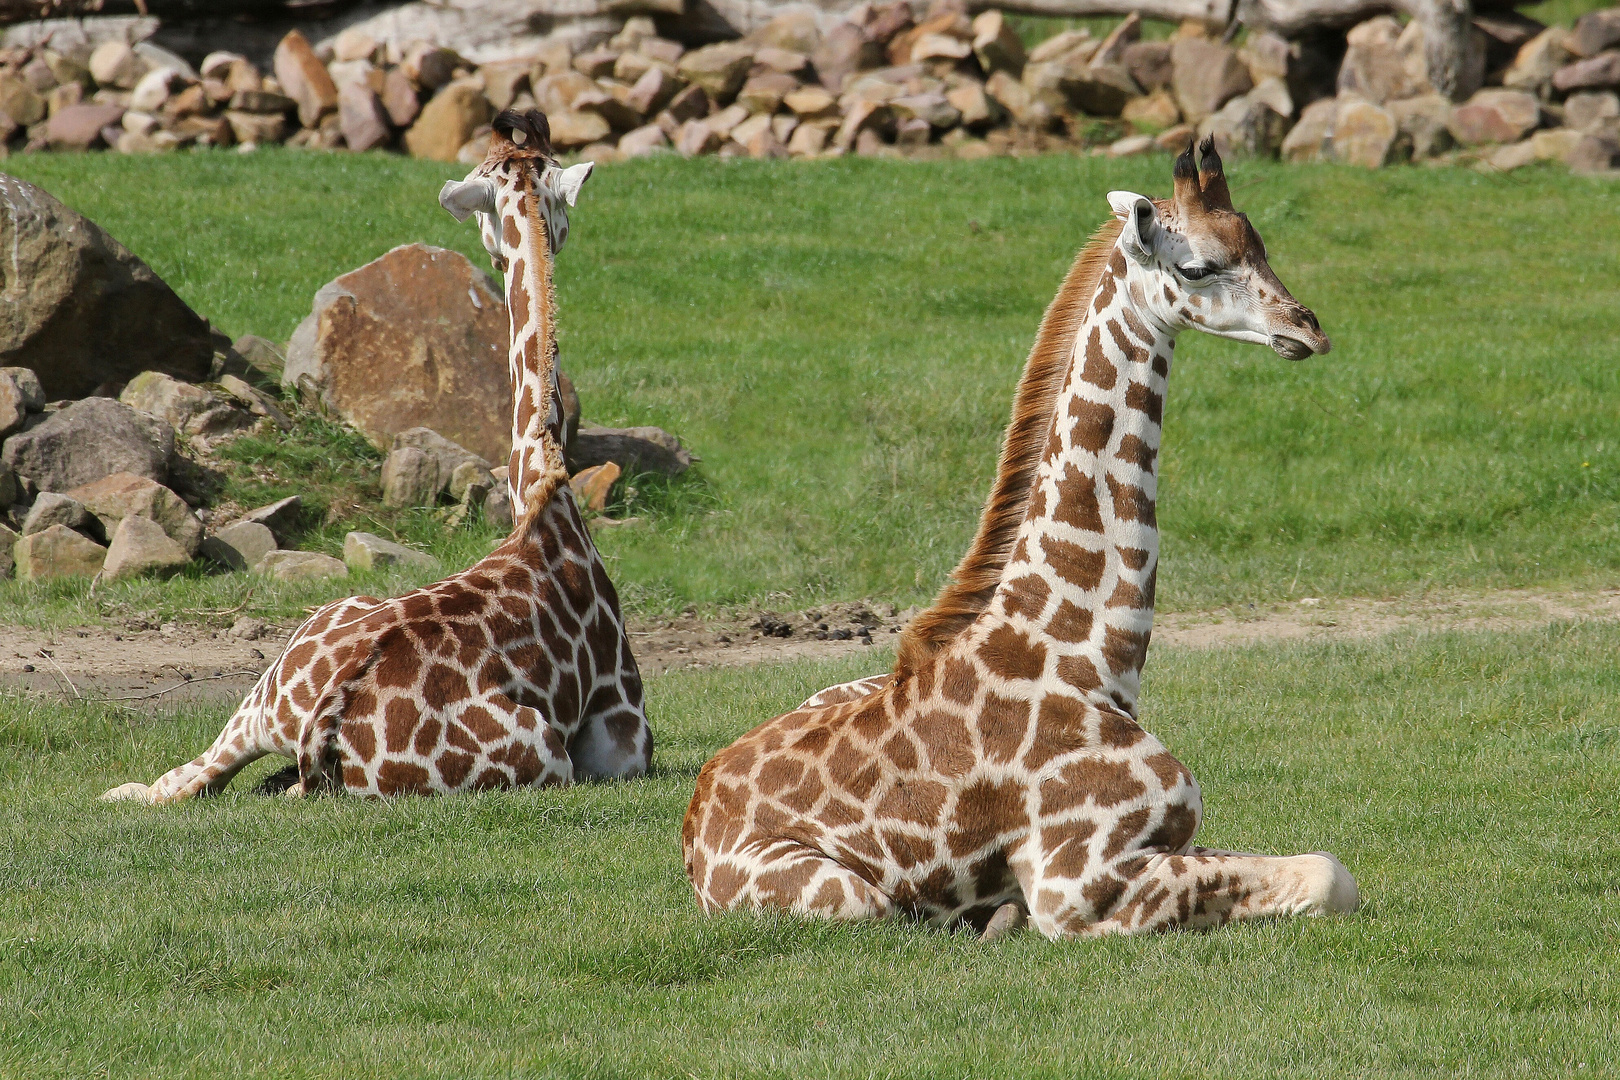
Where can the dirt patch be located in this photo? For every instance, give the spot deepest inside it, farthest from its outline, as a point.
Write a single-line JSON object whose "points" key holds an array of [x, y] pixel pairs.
{"points": [[146, 665]]}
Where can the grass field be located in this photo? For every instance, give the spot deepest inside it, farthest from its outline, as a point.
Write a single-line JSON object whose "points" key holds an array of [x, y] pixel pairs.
{"points": [[1469, 781], [839, 340]]}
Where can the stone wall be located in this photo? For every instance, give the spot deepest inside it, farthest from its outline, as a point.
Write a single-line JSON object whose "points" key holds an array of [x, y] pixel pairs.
{"points": [[887, 79]]}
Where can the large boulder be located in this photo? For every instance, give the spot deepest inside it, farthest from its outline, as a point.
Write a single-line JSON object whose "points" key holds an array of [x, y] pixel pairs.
{"points": [[1495, 116], [448, 121], [140, 546], [89, 440], [122, 495], [57, 552], [417, 338], [1206, 75], [81, 310]]}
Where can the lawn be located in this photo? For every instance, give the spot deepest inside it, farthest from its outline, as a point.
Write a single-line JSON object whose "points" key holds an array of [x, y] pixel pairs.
{"points": [[1469, 781], [839, 341]]}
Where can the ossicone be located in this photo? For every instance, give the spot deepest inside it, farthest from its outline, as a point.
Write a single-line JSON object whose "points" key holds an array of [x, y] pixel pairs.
{"points": [[529, 131]]}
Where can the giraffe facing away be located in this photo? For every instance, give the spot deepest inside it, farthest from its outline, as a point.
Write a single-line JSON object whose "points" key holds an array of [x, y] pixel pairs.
{"points": [[999, 769], [515, 672]]}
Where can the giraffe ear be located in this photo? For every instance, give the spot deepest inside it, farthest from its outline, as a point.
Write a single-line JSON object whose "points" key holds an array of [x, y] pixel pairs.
{"points": [[1141, 218], [464, 198], [572, 179]]}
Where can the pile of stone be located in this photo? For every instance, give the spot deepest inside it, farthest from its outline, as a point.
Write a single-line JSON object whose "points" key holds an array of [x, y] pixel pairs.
{"points": [[890, 78]]}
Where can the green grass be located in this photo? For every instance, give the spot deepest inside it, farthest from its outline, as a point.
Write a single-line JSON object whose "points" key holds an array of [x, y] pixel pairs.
{"points": [[839, 342], [1469, 781]]}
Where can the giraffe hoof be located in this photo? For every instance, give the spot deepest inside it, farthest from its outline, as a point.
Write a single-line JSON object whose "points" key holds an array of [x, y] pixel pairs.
{"points": [[130, 792], [1009, 918]]}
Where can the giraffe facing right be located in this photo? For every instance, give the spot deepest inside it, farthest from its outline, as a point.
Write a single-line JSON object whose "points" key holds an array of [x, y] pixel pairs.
{"points": [[1000, 769]]}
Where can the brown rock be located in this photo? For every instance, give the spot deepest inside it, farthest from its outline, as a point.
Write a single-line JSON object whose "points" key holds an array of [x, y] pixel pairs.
{"points": [[723, 121], [415, 338], [649, 139], [570, 129], [79, 127], [1010, 94], [977, 108], [1495, 116], [593, 485], [139, 547], [1538, 60], [811, 102], [304, 78], [1383, 63], [249, 127], [1310, 139], [652, 91], [846, 50], [1152, 113], [364, 119], [399, 98], [116, 64], [718, 69], [1100, 89], [280, 517], [1206, 75], [764, 93], [1364, 134], [1245, 127], [934, 109], [504, 81], [122, 495], [448, 121], [1595, 113], [696, 137], [810, 137], [795, 30], [1594, 154], [239, 546], [619, 116], [368, 551], [13, 404], [300, 566], [1176, 139], [596, 63], [939, 47], [57, 552], [1426, 122], [996, 44], [691, 103], [1595, 31], [862, 116], [1601, 72], [1149, 64], [782, 61], [1513, 156], [20, 101], [556, 93], [80, 309], [184, 407]]}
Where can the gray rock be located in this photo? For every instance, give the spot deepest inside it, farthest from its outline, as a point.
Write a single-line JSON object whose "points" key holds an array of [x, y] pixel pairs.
{"points": [[256, 401], [28, 384], [416, 338], [411, 477], [55, 553], [10, 487], [300, 566], [469, 475], [53, 509], [13, 406], [184, 407], [140, 546], [1245, 127], [280, 517], [638, 449], [8, 561], [449, 454], [88, 440], [1206, 76], [262, 356], [114, 498], [367, 551], [498, 507], [88, 314], [239, 546], [247, 628]]}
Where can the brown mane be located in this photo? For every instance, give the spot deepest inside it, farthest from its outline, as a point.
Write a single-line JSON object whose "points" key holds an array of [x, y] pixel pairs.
{"points": [[974, 580]]}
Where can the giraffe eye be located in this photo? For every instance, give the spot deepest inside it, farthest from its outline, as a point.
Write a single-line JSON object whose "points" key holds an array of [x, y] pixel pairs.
{"points": [[1195, 273]]}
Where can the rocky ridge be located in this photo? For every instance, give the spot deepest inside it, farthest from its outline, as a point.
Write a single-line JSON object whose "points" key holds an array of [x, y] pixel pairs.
{"points": [[887, 79]]}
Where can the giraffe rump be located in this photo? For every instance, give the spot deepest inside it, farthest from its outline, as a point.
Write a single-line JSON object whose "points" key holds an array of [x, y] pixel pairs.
{"points": [[973, 582]]}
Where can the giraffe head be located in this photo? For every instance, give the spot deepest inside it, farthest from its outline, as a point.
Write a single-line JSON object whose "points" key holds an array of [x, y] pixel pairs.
{"points": [[520, 159], [1204, 267]]}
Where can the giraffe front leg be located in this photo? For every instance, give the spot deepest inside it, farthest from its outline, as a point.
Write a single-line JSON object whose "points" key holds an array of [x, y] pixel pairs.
{"points": [[239, 745]]}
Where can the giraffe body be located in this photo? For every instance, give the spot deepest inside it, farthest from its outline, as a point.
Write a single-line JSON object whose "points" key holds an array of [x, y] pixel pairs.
{"points": [[1001, 762], [515, 672]]}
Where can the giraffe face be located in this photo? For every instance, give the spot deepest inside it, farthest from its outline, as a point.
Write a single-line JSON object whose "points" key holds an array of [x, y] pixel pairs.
{"points": [[520, 160], [1204, 266]]}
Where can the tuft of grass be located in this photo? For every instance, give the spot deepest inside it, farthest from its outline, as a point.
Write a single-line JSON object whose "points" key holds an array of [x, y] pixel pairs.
{"points": [[839, 342], [1468, 780]]}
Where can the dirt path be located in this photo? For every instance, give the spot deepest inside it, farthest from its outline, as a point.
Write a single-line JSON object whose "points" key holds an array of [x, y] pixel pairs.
{"points": [[147, 665]]}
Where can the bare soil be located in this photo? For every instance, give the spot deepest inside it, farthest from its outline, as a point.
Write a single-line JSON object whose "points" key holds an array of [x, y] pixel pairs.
{"points": [[146, 665]]}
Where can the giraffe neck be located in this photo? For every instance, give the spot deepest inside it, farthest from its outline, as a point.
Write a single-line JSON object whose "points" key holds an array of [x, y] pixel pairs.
{"points": [[536, 468], [1081, 577]]}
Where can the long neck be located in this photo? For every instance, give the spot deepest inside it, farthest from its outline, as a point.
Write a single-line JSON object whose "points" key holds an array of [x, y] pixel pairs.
{"points": [[1081, 577], [537, 468]]}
